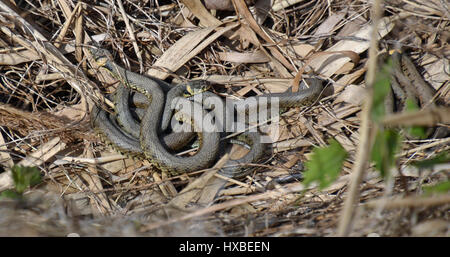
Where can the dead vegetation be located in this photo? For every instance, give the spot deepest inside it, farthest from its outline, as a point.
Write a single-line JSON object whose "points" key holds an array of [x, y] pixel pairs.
{"points": [[48, 84]]}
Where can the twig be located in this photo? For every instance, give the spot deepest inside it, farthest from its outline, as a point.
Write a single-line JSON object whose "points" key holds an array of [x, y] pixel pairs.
{"points": [[66, 26], [235, 182], [93, 183], [409, 202], [99, 160], [363, 152], [424, 117], [425, 146], [132, 36]]}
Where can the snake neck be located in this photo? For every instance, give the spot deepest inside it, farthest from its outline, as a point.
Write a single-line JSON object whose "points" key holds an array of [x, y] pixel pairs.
{"points": [[172, 95], [305, 96], [121, 74]]}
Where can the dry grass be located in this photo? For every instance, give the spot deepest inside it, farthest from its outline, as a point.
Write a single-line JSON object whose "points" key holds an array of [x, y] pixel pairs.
{"points": [[48, 85]]}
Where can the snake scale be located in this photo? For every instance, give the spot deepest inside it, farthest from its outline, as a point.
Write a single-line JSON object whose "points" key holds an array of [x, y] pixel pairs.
{"points": [[125, 118], [156, 146]]}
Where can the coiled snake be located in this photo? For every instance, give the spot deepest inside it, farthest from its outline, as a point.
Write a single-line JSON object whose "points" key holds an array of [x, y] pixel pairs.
{"points": [[156, 146]]}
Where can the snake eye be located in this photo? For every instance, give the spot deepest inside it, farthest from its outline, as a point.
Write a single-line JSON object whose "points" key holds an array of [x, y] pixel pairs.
{"points": [[186, 94]]}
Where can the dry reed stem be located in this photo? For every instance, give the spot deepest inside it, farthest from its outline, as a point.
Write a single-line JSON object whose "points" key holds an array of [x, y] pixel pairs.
{"points": [[94, 184], [366, 130], [63, 32], [428, 117], [241, 8], [199, 10], [408, 202], [131, 35]]}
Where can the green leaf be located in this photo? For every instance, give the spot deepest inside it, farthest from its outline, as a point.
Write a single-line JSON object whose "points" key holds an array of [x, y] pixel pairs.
{"points": [[25, 177], [411, 105], [443, 157], [387, 143], [11, 194], [381, 89], [441, 188], [325, 164], [415, 131]]}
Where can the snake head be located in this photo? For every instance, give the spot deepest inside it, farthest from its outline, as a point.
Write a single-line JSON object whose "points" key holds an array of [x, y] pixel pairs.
{"points": [[101, 56], [196, 87]]}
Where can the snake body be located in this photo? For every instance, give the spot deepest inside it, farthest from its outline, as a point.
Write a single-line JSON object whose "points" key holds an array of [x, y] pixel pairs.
{"points": [[107, 127], [408, 84], [128, 79], [309, 93], [157, 150], [165, 160], [234, 168], [125, 118]]}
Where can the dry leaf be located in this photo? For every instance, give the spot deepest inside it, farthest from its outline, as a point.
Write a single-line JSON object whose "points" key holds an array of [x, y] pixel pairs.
{"points": [[255, 57], [186, 48], [352, 94], [327, 65], [205, 17]]}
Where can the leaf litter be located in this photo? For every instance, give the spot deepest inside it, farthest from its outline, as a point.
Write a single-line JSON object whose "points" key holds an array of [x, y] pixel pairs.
{"points": [[48, 85]]}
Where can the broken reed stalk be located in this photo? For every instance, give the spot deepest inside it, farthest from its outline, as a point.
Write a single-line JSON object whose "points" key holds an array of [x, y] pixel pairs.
{"points": [[366, 130]]}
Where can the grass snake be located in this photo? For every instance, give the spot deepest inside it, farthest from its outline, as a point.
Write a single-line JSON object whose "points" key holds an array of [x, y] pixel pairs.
{"points": [[156, 146]]}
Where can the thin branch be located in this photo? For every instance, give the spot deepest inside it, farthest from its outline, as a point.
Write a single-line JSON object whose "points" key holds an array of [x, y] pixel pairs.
{"points": [[366, 130], [132, 36]]}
